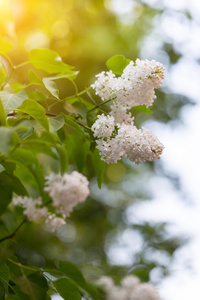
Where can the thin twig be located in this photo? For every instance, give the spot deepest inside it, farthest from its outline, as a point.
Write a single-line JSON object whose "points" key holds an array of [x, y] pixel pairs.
{"points": [[12, 114], [97, 106], [12, 235]]}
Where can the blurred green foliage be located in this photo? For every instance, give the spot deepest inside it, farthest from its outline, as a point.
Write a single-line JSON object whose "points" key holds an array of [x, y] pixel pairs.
{"points": [[86, 33]]}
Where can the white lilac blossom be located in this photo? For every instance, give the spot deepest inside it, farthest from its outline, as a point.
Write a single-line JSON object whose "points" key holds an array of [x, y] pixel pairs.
{"points": [[140, 80], [130, 282], [130, 288], [53, 222], [32, 208], [116, 135], [106, 85], [110, 150], [104, 126], [144, 291], [120, 114], [137, 145], [67, 191], [34, 211], [106, 282], [135, 86]]}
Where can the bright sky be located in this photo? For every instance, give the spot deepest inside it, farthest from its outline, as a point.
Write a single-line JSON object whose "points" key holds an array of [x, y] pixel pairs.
{"points": [[182, 144], [181, 154]]}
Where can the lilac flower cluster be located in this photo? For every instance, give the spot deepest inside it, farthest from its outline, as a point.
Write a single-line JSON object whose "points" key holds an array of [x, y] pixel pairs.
{"points": [[130, 289], [116, 133], [66, 192]]}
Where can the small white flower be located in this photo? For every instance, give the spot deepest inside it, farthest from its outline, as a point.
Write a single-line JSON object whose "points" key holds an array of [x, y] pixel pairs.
{"points": [[67, 191], [129, 289], [130, 282], [32, 208], [103, 126], [106, 85], [53, 222], [145, 291], [120, 114], [139, 144], [110, 150], [105, 282]]}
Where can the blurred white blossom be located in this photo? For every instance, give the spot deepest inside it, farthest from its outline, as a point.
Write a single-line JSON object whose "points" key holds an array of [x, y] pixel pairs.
{"points": [[32, 208], [67, 191], [130, 289], [53, 222]]}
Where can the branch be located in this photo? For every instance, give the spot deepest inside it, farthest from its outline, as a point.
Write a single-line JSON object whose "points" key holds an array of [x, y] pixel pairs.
{"points": [[47, 114], [12, 235], [97, 106]]}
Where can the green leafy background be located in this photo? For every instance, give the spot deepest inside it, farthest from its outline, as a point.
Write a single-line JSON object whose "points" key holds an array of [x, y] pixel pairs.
{"points": [[49, 131]]}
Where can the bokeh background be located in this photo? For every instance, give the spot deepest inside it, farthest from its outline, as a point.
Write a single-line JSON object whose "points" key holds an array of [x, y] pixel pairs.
{"points": [[145, 220]]}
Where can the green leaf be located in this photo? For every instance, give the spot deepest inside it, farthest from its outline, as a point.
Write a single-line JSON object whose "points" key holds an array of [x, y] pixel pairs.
{"points": [[5, 275], [69, 121], [38, 286], [48, 82], [15, 184], [6, 140], [92, 291], [25, 175], [2, 72], [12, 101], [78, 149], [67, 289], [50, 138], [117, 63], [71, 75], [73, 272], [24, 129], [82, 100], [55, 123], [3, 121], [5, 47], [12, 297], [48, 61], [28, 160], [36, 111], [99, 166], [38, 128], [19, 293], [6, 197], [64, 158], [35, 79], [2, 290], [25, 157], [9, 167], [38, 146], [77, 107], [141, 108], [17, 87], [37, 95], [8, 185], [51, 87], [5, 192]]}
